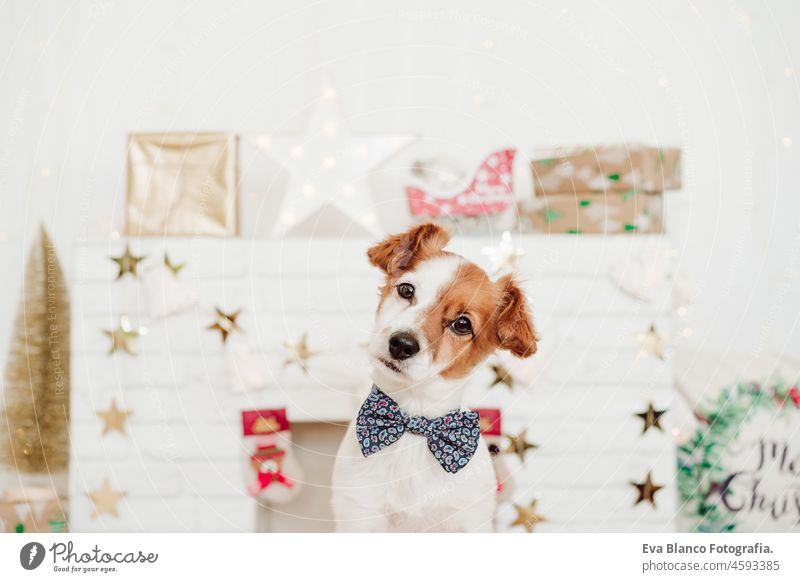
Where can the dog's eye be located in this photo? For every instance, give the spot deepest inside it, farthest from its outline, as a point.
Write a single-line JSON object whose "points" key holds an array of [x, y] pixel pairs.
{"points": [[406, 291], [462, 326]]}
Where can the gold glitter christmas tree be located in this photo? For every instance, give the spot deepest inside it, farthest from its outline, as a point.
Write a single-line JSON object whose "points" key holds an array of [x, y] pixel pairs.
{"points": [[34, 435]]}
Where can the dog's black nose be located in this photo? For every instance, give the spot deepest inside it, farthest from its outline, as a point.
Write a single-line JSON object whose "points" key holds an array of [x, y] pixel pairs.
{"points": [[403, 345]]}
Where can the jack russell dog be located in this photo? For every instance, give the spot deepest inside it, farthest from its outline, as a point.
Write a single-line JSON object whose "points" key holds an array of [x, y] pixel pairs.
{"points": [[413, 459]]}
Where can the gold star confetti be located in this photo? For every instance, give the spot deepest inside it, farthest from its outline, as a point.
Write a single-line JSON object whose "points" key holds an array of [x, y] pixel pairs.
{"points": [[299, 353], [651, 418], [226, 323], [105, 500], [518, 445], [652, 343], [127, 263], [175, 269], [647, 490], [122, 337], [501, 376], [114, 418], [527, 516]]}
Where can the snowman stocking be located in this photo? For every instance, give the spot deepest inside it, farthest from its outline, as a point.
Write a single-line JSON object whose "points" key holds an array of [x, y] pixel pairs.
{"points": [[272, 471]]}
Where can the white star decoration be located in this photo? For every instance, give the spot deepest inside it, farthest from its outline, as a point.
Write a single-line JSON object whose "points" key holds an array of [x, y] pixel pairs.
{"points": [[328, 166], [503, 257]]}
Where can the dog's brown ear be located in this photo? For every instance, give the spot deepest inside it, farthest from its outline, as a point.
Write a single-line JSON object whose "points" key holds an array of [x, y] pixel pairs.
{"points": [[400, 252], [515, 330]]}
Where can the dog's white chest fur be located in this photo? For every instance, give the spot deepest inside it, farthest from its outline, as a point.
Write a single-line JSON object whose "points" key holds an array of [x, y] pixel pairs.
{"points": [[404, 488]]}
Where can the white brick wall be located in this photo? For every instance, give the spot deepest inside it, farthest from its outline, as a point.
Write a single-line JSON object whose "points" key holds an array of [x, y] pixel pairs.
{"points": [[180, 463]]}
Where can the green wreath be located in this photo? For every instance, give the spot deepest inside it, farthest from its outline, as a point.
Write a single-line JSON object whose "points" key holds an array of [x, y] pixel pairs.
{"points": [[699, 460]]}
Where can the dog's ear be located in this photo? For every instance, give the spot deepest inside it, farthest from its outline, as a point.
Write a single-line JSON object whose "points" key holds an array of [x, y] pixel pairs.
{"points": [[400, 252], [515, 330]]}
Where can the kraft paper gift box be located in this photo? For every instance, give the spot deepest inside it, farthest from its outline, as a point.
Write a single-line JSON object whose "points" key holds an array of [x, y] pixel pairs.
{"points": [[606, 168], [33, 509], [592, 213], [182, 184], [605, 189]]}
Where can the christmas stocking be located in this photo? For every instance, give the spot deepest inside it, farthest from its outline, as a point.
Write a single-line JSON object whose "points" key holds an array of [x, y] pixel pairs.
{"points": [[492, 434], [272, 471]]}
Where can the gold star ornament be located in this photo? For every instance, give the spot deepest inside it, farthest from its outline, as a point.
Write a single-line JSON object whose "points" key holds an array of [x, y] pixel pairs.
{"points": [[113, 418], [518, 445], [501, 376], [647, 490], [652, 343], [173, 268], [226, 323], [298, 353], [123, 336], [105, 500], [651, 418], [127, 263], [527, 516]]}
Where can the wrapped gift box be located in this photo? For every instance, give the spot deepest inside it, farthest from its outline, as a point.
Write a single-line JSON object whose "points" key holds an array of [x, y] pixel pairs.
{"points": [[600, 190], [182, 184], [606, 168], [33, 509], [614, 212]]}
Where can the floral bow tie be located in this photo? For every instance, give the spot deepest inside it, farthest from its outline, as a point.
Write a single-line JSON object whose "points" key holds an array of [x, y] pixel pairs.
{"points": [[452, 437]]}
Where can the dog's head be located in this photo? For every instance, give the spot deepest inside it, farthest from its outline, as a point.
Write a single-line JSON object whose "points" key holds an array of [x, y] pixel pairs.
{"points": [[439, 314]]}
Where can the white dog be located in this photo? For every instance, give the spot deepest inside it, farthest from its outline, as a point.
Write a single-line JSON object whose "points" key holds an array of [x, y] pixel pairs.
{"points": [[412, 460]]}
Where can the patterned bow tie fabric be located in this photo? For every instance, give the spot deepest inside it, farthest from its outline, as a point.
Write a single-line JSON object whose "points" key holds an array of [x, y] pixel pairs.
{"points": [[452, 437]]}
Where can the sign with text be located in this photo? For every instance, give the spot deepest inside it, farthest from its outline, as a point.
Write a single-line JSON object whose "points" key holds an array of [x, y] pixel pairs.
{"points": [[741, 469]]}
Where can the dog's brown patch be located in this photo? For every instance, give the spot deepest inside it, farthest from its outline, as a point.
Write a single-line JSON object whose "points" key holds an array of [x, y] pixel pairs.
{"points": [[514, 327], [400, 253], [499, 317]]}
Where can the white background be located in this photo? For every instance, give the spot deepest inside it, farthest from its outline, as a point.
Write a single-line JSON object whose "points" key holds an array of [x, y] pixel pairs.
{"points": [[717, 78]]}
